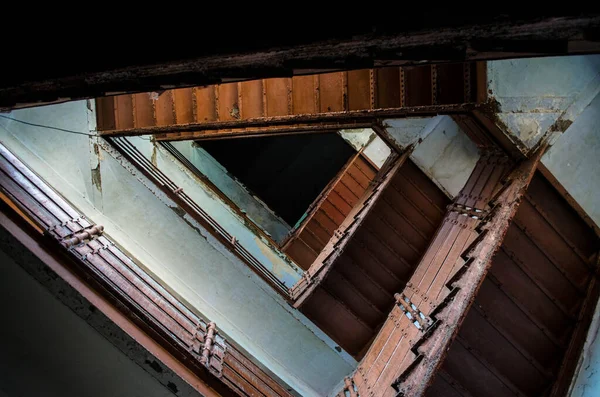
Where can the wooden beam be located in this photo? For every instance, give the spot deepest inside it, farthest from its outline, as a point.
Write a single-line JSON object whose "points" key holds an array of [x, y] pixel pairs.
{"points": [[477, 258], [335, 120], [318, 202], [406, 354], [258, 132]]}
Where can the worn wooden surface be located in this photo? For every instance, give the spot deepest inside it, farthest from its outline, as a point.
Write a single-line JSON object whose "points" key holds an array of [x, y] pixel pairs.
{"points": [[395, 350], [525, 330], [376, 260], [235, 109], [328, 214]]}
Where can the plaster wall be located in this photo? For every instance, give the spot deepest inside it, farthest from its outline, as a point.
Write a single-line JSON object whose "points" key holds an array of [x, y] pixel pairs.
{"points": [[263, 250], [187, 260], [255, 209], [574, 160], [446, 155], [532, 93]]}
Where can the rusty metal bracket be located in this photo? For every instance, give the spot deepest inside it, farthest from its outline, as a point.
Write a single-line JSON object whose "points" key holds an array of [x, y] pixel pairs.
{"points": [[84, 235], [474, 213], [213, 350], [412, 312]]}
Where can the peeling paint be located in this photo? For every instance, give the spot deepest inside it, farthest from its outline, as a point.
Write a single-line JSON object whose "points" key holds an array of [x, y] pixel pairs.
{"points": [[530, 98], [202, 271], [97, 178], [178, 210], [528, 128], [153, 157], [278, 270], [560, 125]]}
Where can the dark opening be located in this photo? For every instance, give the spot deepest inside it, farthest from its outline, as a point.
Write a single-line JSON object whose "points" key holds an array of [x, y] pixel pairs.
{"points": [[286, 172]]}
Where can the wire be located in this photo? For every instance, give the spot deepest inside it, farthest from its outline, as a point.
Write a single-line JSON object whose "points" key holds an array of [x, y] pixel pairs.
{"points": [[56, 128], [46, 126]]}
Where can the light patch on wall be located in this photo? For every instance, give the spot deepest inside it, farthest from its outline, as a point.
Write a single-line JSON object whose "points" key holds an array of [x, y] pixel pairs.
{"points": [[377, 151], [405, 132], [447, 156], [201, 270], [357, 138]]}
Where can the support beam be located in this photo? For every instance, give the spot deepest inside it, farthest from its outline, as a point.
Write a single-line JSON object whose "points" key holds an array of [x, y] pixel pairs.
{"points": [[410, 347], [289, 105], [257, 52], [326, 121], [258, 132]]}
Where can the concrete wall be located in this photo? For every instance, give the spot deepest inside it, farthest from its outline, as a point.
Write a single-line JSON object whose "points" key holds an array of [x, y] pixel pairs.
{"points": [[47, 350], [357, 137], [447, 155], [408, 131], [574, 160], [188, 260], [255, 209], [375, 149], [442, 150], [533, 93], [263, 250]]}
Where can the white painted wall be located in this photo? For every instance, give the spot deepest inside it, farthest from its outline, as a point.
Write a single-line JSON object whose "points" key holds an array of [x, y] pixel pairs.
{"points": [[446, 155], [47, 350], [263, 250], [255, 209], [407, 131], [533, 93], [357, 137], [189, 261], [375, 149]]}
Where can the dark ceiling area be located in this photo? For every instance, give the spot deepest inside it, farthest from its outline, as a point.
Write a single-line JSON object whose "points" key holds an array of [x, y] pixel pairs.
{"points": [[285, 172], [251, 51]]}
